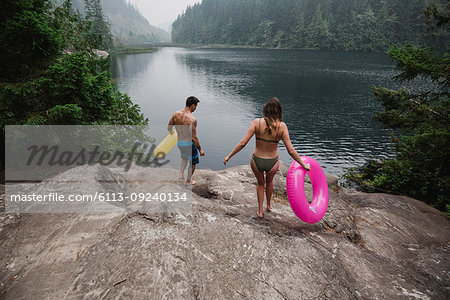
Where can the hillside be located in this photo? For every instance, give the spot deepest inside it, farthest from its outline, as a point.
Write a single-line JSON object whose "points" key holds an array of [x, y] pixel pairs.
{"points": [[368, 25], [128, 26]]}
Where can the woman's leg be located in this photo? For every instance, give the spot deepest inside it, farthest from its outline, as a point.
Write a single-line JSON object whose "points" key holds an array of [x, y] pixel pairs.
{"points": [[259, 187], [269, 184]]}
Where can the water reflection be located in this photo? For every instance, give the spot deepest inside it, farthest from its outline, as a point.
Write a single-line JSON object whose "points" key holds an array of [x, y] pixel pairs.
{"points": [[326, 97]]}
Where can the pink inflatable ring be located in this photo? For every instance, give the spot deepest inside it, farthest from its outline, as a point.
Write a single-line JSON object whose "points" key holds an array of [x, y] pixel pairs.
{"points": [[295, 187]]}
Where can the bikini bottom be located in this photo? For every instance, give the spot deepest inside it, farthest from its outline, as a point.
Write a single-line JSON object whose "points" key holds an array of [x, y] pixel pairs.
{"points": [[264, 164]]}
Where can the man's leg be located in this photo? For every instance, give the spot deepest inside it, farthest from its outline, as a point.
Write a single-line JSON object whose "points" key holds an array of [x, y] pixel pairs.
{"points": [[182, 168], [194, 161], [190, 173], [185, 154]]}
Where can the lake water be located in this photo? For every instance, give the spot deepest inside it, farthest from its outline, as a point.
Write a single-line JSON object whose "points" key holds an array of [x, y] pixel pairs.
{"points": [[327, 102]]}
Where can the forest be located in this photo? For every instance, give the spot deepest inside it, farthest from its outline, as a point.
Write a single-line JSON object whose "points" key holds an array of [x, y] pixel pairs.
{"points": [[51, 75], [366, 25]]}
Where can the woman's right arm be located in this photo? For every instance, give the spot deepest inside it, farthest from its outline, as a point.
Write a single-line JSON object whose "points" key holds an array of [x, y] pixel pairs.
{"points": [[242, 143], [291, 150]]}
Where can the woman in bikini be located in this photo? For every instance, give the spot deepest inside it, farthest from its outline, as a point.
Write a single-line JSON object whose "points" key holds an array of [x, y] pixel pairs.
{"points": [[269, 130]]}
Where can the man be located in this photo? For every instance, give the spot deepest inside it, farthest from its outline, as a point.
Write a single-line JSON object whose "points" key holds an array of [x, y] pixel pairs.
{"points": [[187, 137]]}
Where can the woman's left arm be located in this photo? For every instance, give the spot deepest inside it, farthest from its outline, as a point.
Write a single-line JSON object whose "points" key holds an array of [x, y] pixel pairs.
{"points": [[242, 143]]}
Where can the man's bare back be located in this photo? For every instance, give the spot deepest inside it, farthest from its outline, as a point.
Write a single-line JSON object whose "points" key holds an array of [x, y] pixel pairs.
{"points": [[185, 118]]}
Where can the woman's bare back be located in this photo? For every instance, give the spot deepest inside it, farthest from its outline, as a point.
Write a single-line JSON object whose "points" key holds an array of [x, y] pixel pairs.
{"points": [[264, 148]]}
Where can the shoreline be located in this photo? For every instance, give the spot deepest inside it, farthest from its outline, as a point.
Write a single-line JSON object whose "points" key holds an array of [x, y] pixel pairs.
{"points": [[226, 46], [134, 50]]}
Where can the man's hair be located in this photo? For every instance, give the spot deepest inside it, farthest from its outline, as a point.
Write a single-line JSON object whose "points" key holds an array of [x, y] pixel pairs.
{"points": [[192, 100]]}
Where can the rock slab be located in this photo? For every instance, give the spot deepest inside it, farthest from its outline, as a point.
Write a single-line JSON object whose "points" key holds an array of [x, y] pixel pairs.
{"points": [[368, 246]]}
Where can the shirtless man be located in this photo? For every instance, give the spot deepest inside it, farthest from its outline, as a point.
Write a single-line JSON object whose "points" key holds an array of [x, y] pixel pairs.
{"points": [[187, 137]]}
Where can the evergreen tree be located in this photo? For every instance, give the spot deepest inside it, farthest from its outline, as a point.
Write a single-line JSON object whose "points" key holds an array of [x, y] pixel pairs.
{"points": [[318, 33], [297, 38], [421, 167], [383, 27], [100, 32], [29, 41]]}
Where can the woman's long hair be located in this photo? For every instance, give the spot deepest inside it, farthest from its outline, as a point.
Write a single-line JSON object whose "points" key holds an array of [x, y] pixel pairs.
{"points": [[272, 114]]}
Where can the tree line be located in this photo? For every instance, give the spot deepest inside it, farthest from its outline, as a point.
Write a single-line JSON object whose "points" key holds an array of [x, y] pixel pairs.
{"points": [[367, 25]]}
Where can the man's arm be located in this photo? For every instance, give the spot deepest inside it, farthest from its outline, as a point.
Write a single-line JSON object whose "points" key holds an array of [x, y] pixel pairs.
{"points": [[171, 124], [194, 136]]}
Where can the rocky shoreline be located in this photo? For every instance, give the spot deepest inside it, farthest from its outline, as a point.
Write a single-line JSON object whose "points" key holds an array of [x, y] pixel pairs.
{"points": [[368, 246]]}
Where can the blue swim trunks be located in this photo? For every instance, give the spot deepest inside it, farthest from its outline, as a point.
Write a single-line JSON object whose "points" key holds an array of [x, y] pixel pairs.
{"points": [[188, 151]]}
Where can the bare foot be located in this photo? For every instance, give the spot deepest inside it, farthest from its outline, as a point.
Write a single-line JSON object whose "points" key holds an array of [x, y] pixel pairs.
{"points": [[269, 208], [190, 182], [181, 178], [260, 215]]}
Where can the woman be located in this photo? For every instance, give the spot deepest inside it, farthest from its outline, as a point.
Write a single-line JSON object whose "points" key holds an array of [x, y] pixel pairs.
{"points": [[269, 130]]}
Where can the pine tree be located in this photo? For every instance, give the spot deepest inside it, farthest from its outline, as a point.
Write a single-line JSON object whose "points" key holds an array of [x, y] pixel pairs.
{"points": [[100, 31], [297, 37], [421, 166], [28, 39], [318, 34]]}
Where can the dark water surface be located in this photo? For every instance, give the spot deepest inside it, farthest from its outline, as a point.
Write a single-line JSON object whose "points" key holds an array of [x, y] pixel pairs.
{"points": [[327, 102]]}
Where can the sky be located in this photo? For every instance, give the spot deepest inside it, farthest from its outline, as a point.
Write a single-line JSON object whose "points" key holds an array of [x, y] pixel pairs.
{"points": [[160, 12]]}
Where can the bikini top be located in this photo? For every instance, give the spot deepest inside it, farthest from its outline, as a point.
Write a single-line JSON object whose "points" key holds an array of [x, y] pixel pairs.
{"points": [[258, 136]]}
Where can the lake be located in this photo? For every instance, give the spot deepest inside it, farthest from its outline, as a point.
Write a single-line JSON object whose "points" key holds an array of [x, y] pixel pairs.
{"points": [[326, 96]]}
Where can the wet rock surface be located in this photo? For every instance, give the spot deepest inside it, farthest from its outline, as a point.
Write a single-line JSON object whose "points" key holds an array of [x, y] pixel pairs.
{"points": [[368, 246]]}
